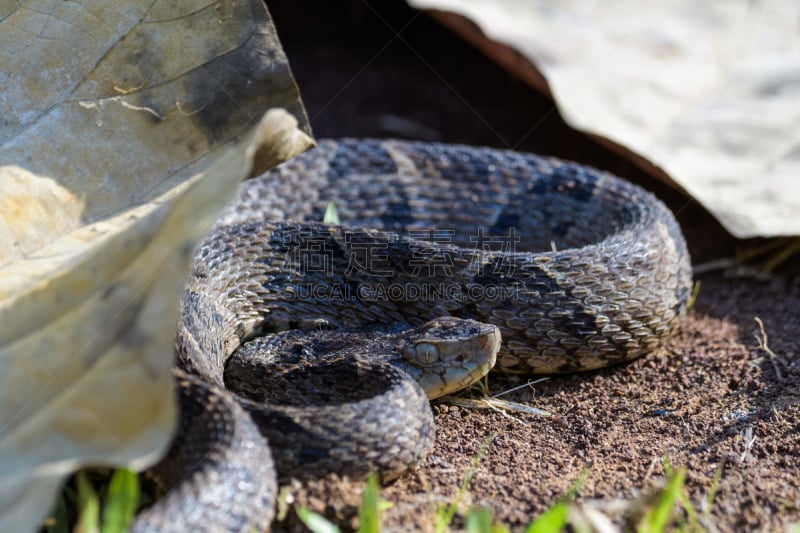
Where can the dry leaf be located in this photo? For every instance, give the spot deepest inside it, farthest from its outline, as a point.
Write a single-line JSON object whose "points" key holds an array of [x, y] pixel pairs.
{"points": [[126, 127], [708, 91]]}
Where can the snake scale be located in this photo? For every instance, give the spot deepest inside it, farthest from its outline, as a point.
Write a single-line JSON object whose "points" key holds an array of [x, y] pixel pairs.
{"points": [[576, 268]]}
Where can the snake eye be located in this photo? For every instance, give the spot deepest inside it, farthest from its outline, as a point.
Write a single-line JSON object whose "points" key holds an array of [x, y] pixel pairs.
{"points": [[426, 353]]}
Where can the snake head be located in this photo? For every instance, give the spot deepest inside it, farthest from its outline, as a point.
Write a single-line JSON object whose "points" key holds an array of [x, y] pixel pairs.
{"points": [[448, 354]]}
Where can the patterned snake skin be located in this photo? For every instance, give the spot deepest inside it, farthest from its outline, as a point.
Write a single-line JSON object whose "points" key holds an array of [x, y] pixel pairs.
{"points": [[578, 270]]}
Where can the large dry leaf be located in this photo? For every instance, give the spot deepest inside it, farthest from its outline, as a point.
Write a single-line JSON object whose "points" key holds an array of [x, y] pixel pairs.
{"points": [[708, 91], [126, 127]]}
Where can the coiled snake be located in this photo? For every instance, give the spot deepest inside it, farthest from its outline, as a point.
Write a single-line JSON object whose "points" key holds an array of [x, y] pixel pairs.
{"points": [[576, 268]]}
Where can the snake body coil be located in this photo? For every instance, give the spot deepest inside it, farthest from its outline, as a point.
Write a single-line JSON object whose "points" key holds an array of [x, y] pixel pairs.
{"points": [[577, 269]]}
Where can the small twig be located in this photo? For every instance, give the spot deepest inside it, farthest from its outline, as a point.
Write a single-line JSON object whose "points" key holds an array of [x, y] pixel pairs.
{"points": [[749, 439], [528, 384], [650, 469], [782, 255], [763, 346], [752, 250], [723, 263], [758, 261], [732, 268], [779, 417], [501, 406]]}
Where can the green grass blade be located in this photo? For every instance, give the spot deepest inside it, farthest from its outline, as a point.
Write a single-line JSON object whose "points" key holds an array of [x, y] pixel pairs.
{"points": [[316, 522], [712, 492], [88, 506], [369, 512], [575, 486], [445, 513], [479, 520], [656, 519], [555, 518], [122, 501], [331, 215], [692, 522], [693, 296], [551, 521]]}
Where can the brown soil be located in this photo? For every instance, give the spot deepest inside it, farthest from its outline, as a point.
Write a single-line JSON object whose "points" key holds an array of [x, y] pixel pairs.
{"points": [[711, 400]]}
